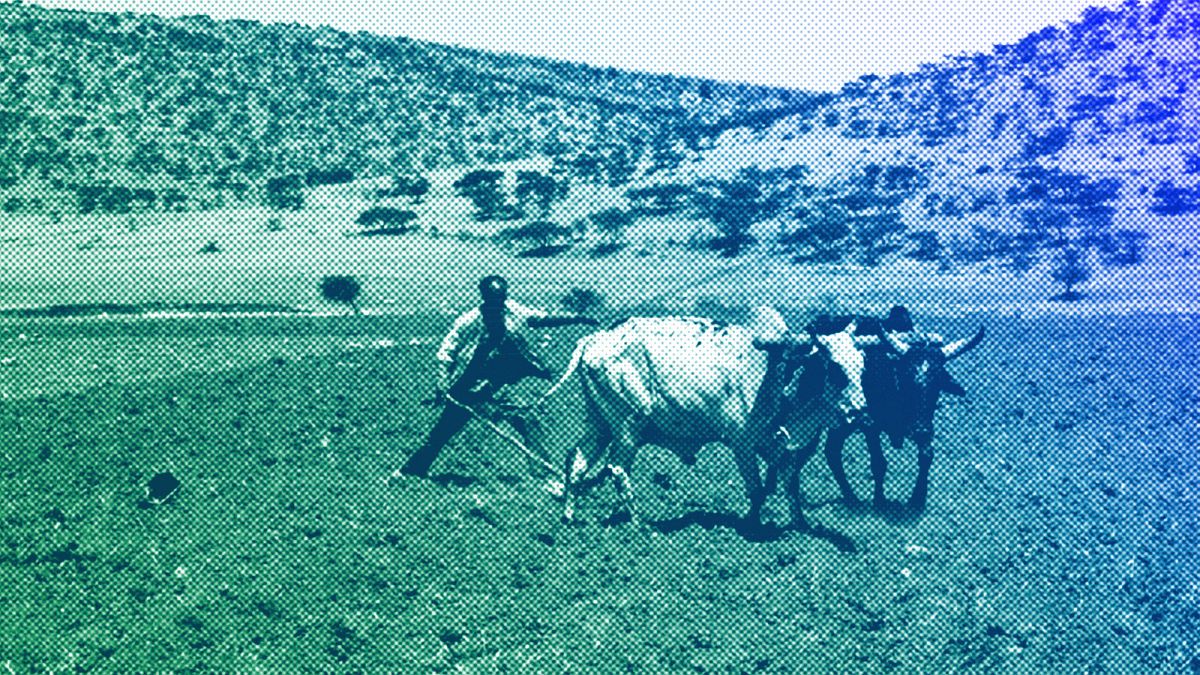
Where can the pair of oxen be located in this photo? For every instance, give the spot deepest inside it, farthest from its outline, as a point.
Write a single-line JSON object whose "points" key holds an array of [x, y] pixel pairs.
{"points": [[764, 391]]}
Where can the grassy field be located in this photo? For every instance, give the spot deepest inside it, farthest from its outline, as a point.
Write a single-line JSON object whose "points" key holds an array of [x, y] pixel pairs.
{"points": [[1059, 538]]}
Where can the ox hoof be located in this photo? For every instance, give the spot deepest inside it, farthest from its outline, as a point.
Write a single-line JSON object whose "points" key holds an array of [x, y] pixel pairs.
{"points": [[556, 488]]}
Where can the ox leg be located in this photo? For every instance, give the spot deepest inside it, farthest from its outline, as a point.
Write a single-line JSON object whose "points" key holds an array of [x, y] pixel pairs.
{"points": [[585, 453], [878, 467], [793, 482], [835, 442], [621, 461], [747, 465], [624, 490], [921, 488]]}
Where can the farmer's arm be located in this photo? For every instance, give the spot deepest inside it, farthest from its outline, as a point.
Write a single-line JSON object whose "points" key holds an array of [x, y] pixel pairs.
{"points": [[550, 321], [447, 353], [536, 318]]}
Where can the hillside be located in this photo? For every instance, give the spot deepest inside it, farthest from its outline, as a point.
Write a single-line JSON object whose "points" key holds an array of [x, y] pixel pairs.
{"points": [[211, 109], [1109, 103]]}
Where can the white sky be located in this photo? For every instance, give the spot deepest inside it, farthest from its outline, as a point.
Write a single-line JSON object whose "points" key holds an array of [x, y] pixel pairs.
{"points": [[804, 44]]}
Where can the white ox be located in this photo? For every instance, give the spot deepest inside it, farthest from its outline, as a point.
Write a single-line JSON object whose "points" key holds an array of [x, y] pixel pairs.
{"points": [[681, 383]]}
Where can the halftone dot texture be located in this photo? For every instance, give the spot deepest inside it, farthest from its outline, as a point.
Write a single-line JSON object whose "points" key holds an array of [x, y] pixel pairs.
{"points": [[230, 252]]}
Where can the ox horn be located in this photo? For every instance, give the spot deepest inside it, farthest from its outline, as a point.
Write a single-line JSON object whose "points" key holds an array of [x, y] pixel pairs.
{"points": [[960, 347], [899, 346]]}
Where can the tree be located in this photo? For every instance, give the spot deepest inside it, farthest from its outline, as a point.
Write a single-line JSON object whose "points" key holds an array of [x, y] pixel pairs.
{"points": [[658, 199], [1070, 269], [824, 229], [927, 246], [878, 234], [582, 300], [385, 220], [343, 289], [538, 190], [543, 233], [414, 187], [482, 187], [612, 222], [285, 193], [1126, 247], [733, 206]]}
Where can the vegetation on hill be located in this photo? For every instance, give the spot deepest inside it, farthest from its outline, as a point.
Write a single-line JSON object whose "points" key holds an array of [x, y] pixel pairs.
{"points": [[196, 112], [1124, 72]]}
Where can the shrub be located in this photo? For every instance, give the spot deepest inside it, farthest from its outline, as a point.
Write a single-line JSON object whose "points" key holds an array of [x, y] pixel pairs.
{"points": [[878, 234], [343, 289], [582, 300], [1170, 200], [612, 222], [386, 220], [210, 247], [540, 232], [414, 187], [1070, 268], [1052, 141], [821, 237], [926, 246], [659, 199], [285, 193], [337, 176]]}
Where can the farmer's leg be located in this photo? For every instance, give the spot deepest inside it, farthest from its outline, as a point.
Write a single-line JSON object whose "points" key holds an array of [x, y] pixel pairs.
{"points": [[450, 422]]}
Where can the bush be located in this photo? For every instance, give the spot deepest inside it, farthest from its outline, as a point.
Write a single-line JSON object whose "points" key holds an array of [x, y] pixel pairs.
{"points": [[386, 220], [606, 249], [659, 199], [825, 228], [414, 187], [285, 193], [343, 289], [1170, 200], [541, 232], [1052, 141], [582, 300], [926, 246], [1070, 268], [612, 222], [338, 176]]}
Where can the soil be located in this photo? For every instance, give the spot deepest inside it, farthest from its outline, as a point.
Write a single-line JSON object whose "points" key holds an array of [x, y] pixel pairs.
{"points": [[1061, 533]]}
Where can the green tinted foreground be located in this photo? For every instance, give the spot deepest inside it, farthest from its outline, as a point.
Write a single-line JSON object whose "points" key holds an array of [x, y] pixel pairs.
{"points": [[1060, 533]]}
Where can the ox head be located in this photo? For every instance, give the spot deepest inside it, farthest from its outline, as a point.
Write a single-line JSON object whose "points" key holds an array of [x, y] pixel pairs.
{"points": [[816, 370], [916, 377]]}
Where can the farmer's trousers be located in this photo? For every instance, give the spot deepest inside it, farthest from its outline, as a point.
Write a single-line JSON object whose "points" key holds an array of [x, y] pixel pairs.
{"points": [[452, 419]]}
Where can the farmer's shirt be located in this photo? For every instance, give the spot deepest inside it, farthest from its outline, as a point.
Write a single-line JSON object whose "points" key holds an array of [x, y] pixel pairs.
{"points": [[458, 355]]}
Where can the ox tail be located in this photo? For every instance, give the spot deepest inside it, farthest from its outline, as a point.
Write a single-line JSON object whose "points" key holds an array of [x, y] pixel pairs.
{"points": [[576, 357]]}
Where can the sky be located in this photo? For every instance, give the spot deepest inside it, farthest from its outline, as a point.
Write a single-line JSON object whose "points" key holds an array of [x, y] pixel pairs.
{"points": [[801, 44]]}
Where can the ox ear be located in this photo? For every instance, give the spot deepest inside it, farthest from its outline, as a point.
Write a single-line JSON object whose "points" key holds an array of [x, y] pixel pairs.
{"points": [[861, 341], [960, 347], [947, 384]]}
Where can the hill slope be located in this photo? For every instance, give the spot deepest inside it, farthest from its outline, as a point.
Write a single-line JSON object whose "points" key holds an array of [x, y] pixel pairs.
{"points": [[210, 106]]}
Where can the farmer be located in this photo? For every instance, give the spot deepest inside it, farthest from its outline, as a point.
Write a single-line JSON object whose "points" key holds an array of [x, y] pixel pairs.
{"points": [[486, 350]]}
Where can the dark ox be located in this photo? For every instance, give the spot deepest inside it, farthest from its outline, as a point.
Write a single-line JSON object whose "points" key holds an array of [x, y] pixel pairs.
{"points": [[903, 378], [682, 383]]}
